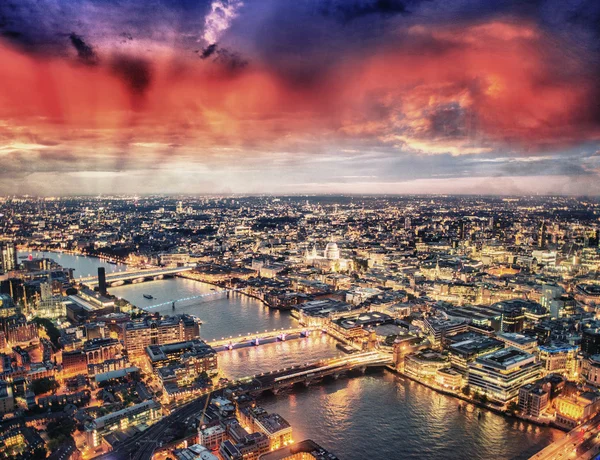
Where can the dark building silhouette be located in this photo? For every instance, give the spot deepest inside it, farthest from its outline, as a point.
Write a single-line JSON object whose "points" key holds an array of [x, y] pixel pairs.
{"points": [[590, 341], [102, 281]]}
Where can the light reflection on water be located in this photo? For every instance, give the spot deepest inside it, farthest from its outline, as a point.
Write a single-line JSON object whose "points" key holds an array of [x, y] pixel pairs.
{"points": [[249, 361], [378, 416], [382, 416], [221, 316]]}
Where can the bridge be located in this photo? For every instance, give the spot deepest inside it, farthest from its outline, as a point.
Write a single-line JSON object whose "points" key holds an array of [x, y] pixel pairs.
{"points": [[582, 442], [134, 276], [256, 338], [143, 445], [310, 373], [205, 296]]}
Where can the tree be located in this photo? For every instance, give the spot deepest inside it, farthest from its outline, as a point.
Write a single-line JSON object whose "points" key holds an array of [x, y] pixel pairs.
{"points": [[513, 407], [44, 385], [51, 330], [466, 390]]}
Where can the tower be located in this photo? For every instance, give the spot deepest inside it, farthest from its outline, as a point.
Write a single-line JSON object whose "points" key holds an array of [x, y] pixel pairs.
{"points": [[102, 281], [542, 235]]}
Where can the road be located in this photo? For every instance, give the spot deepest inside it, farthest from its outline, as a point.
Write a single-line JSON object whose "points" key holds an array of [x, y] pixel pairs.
{"points": [[581, 442]]}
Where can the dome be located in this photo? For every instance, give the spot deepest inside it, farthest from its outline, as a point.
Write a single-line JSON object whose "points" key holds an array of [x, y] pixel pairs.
{"points": [[332, 251]]}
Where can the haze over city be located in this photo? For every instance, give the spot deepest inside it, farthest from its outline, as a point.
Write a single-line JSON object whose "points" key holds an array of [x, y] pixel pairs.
{"points": [[314, 96]]}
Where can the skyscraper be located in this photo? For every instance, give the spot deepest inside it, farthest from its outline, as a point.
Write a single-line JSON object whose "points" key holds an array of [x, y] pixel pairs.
{"points": [[542, 235], [8, 257]]}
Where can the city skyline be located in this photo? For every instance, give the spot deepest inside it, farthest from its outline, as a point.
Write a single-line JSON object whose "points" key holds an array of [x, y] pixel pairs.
{"points": [[253, 97]]}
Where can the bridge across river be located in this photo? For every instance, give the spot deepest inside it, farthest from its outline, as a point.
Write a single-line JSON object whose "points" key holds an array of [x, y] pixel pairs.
{"points": [[310, 373], [134, 276], [143, 445], [206, 296], [256, 338]]}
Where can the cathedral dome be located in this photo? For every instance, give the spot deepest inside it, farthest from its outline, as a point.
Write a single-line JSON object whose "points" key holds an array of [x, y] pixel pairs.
{"points": [[332, 251]]}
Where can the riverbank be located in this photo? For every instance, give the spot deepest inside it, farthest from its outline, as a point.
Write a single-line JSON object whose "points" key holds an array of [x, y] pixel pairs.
{"points": [[190, 276], [479, 404]]}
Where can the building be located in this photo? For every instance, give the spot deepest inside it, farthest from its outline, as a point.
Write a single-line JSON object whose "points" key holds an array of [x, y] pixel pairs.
{"points": [[424, 364], [74, 362], [99, 350], [8, 257], [303, 450], [140, 414], [250, 447], [140, 334], [274, 426], [533, 400], [559, 358], [576, 409], [589, 368], [7, 306], [513, 316], [7, 399], [525, 343], [500, 375], [195, 452], [590, 341], [437, 329], [212, 437], [468, 346]]}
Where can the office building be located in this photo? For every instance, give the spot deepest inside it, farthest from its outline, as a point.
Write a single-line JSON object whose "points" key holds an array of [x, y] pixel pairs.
{"points": [[500, 375], [467, 347]]}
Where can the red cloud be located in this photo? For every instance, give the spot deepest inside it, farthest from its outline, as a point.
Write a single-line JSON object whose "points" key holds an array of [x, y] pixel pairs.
{"points": [[456, 89]]}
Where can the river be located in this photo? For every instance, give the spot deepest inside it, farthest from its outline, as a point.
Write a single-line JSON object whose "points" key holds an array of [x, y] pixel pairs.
{"points": [[377, 416]]}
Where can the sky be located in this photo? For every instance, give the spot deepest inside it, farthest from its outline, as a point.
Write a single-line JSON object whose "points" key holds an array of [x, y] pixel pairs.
{"points": [[302, 96]]}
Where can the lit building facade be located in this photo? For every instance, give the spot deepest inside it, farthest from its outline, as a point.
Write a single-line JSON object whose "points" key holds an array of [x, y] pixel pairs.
{"points": [[500, 375]]}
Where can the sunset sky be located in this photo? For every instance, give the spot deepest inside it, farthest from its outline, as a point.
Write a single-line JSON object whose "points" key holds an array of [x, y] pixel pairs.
{"points": [[299, 96]]}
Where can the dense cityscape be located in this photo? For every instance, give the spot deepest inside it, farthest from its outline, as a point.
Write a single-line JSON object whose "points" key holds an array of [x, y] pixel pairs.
{"points": [[491, 302], [299, 230]]}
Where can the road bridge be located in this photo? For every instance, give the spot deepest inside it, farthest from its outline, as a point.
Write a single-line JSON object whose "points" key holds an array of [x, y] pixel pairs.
{"points": [[143, 445], [134, 276], [582, 442], [311, 373]]}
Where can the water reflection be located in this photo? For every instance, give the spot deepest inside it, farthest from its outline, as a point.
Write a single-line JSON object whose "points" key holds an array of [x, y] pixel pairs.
{"points": [[221, 316], [377, 416], [384, 416]]}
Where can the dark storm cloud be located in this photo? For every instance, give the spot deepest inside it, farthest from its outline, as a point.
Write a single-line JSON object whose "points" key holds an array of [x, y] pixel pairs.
{"points": [[349, 10], [135, 72], [448, 120], [84, 51], [208, 51]]}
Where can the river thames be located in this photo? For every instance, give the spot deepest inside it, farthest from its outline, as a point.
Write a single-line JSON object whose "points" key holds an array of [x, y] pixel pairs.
{"points": [[376, 416]]}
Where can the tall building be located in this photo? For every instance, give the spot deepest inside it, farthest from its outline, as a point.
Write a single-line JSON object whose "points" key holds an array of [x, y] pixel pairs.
{"points": [[407, 223], [102, 281], [542, 235], [8, 257]]}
